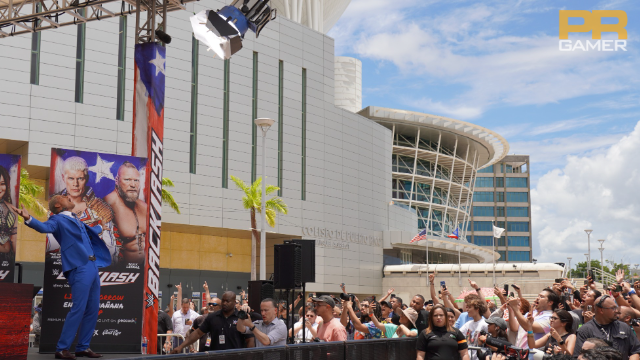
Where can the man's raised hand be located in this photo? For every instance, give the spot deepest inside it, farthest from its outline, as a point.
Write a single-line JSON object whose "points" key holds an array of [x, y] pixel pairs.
{"points": [[22, 212]]}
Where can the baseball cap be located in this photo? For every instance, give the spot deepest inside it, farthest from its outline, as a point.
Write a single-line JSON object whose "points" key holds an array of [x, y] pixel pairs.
{"points": [[499, 322], [325, 299]]}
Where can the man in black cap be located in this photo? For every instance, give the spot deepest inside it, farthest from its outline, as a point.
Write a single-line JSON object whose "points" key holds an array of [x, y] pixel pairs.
{"points": [[331, 328]]}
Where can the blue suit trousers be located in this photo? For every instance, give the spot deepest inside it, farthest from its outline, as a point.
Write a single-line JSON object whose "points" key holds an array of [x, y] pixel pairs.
{"points": [[85, 294]]}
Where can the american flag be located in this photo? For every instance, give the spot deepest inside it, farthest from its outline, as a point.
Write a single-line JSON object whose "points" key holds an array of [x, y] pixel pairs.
{"points": [[421, 236]]}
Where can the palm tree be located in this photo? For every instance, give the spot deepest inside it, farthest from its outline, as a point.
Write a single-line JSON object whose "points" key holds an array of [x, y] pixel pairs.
{"points": [[167, 198], [252, 200], [29, 192]]}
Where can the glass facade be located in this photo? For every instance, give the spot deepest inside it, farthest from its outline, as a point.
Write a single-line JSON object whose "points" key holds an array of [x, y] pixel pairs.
{"points": [[483, 182], [303, 156], [521, 226], [122, 64], [36, 38], [80, 57], [518, 211], [517, 196], [280, 123], [193, 146], [483, 211], [518, 241], [519, 256], [517, 182], [225, 125], [483, 196], [507, 174], [254, 115]]}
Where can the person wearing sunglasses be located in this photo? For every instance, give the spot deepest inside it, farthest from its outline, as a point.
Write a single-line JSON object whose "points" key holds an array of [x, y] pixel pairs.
{"points": [[606, 326], [560, 338]]}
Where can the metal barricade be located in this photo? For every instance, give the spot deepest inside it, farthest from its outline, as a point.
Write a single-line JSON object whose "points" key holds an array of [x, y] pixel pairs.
{"points": [[317, 351], [262, 353], [374, 349], [169, 338]]}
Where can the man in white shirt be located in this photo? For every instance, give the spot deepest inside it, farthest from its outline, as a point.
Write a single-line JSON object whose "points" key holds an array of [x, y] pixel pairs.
{"points": [[472, 328], [544, 305], [182, 321]]}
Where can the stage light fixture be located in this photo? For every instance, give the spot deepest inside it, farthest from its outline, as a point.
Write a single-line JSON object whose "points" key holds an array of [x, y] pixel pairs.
{"points": [[223, 30], [163, 36]]}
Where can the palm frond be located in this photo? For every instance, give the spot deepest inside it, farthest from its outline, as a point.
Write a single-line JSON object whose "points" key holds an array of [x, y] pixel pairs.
{"points": [[29, 192], [166, 182], [271, 217], [277, 204], [271, 188], [240, 184], [168, 199]]}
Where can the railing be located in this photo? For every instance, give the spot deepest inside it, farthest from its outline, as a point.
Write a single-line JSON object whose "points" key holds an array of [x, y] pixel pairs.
{"points": [[381, 349]]}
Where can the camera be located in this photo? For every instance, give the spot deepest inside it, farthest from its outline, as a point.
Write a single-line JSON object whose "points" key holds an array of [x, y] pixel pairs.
{"points": [[618, 288], [242, 315], [635, 322], [347, 297], [504, 347]]}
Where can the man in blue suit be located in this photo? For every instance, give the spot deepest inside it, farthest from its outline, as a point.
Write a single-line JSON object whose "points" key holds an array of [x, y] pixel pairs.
{"points": [[83, 252]]}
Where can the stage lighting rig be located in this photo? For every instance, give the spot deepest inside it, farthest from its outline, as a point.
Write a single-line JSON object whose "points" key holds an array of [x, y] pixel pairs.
{"points": [[223, 30]]}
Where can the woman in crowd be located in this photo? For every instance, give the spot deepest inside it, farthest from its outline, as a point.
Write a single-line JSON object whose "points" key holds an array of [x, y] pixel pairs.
{"points": [[560, 338], [365, 329], [440, 340], [310, 325], [407, 327], [451, 316]]}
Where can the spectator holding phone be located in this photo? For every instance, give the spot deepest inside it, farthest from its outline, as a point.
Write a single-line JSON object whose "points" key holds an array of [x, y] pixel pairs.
{"points": [[182, 321]]}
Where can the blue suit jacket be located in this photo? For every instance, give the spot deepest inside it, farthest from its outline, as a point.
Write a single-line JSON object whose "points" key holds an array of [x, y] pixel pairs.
{"points": [[66, 231]]}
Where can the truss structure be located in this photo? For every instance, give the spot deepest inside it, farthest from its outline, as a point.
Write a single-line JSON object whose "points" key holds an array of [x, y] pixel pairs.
{"points": [[28, 16]]}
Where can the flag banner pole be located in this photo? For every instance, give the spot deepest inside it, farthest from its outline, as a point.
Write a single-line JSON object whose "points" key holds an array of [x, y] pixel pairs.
{"points": [[148, 136]]}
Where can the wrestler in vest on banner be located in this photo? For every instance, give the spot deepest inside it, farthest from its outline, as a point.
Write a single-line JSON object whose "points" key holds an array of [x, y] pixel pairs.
{"points": [[106, 190], [9, 195]]}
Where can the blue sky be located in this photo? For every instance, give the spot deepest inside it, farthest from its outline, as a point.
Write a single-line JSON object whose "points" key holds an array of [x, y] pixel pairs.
{"points": [[497, 64]]}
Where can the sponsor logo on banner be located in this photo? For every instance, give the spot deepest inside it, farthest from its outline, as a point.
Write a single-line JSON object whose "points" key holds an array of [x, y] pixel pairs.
{"points": [[112, 332], [592, 22]]}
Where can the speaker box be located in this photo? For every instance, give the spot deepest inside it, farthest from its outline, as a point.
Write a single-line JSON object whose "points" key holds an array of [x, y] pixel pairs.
{"points": [[287, 261], [308, 270], [258, 291]]}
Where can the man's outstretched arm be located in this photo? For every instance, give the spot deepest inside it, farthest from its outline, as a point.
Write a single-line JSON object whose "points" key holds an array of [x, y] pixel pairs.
{"points": [[46, 227]]}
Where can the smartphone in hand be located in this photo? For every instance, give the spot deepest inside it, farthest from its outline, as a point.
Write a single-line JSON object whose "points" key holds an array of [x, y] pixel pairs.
{"points": [[443, 284]]}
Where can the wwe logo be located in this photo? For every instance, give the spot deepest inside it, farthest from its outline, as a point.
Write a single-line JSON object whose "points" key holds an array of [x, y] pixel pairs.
{"points": [[149, 300], [56, 272]]}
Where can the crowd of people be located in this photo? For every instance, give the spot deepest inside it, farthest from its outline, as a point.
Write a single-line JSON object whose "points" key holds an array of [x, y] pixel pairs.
{"points": [[563, 322]]}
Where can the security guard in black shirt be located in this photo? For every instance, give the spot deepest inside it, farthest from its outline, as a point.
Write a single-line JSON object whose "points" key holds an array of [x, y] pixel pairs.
{"points": [[221, 327]]}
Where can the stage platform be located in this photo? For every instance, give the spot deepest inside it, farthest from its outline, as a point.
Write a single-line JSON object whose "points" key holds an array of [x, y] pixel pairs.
{"points": [[34, 355]]}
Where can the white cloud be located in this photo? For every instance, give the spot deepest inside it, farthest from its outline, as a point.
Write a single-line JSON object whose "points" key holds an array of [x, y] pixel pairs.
{"points": [[598, 192], [471, 46]]}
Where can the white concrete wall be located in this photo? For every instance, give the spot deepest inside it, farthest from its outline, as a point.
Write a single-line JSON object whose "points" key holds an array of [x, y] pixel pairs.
{"points": [[348, 83], [348, 156]]}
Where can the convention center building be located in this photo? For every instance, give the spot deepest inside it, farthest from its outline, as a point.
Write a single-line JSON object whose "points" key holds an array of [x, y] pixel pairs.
{"points": [[360, 182]]}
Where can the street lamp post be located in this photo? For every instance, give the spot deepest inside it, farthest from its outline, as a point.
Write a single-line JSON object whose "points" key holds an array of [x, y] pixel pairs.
{"points": [[587, 256], [588, 231], [569, 272], [601, 248], [264, 124]]}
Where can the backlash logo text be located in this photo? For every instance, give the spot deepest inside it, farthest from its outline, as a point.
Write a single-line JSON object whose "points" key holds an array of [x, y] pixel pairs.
{"points": [[155, 215]]}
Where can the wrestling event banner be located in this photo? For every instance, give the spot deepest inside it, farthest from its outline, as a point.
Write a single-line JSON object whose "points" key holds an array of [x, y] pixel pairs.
{"points": [[148, 133], [9, 194], [107, 190]]}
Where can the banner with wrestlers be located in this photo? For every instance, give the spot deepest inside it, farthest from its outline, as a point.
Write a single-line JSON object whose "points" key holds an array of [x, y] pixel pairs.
{"points": [[9, 194], [106, 190]]}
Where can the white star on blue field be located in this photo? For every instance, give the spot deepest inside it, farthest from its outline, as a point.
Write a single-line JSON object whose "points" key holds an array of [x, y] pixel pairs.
{"points": [[496, 63]]}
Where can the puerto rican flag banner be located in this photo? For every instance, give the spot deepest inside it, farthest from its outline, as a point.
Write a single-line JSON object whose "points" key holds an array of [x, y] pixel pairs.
{"points": [[454, 234], [148, 134], [421, 236]]}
